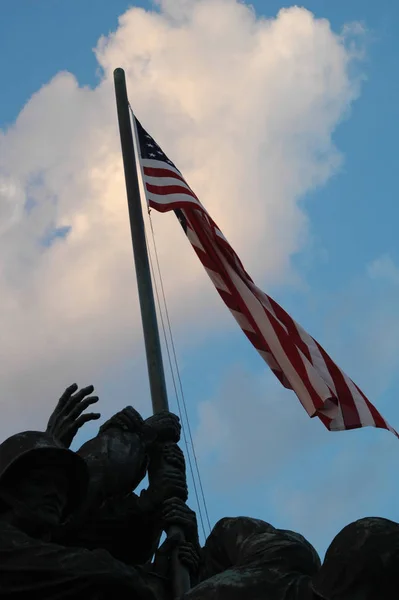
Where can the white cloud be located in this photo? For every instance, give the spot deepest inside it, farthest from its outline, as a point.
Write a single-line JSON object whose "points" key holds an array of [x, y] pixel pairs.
{"points": [[348, 479], [362, 326], [245, 106], [384, 268], [251, 428]]}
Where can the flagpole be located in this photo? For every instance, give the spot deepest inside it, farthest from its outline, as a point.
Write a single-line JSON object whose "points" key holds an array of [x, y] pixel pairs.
{"points": [[156, 372], [144, 283]]}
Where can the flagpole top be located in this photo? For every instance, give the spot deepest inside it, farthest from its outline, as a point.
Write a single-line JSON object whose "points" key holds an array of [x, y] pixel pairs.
{"points": [[119, 73]]}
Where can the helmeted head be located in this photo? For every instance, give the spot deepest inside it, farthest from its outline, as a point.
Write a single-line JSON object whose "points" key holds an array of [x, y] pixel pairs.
{"points": [[117, 457], [361, 563], [40, 478]]}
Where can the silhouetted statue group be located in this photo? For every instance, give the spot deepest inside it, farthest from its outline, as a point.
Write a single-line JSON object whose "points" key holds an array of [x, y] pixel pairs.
{"points": [[71, 525]]}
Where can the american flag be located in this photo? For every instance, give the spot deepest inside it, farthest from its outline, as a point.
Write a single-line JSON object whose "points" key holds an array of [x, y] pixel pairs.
{"points": [[297, 360]]}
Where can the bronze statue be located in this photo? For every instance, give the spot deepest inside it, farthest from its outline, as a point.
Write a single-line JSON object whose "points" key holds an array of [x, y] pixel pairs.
{"points": [[125, 449], [47, 490], [248, 559], [362, 562], [41, 484], [72, 526]]}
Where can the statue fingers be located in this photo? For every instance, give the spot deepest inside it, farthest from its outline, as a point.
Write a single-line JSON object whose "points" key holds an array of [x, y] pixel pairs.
{"points": [[176, 503], [178, 484], [176, 462], [177, 488], [80, 421], [180, 511], [191, 563], [177, 476], [81, 406], [170, 420], [64, 399], [166, 424], [176, 513], [173, 501], [78, 397], [156, 418], [175, 469], [173, 518], [55, 423], [177, 491], [131, 415], [189, 556], [173, 452], [86, 418], [170, 480], [75, 399], [173, 449], [172, 473]]}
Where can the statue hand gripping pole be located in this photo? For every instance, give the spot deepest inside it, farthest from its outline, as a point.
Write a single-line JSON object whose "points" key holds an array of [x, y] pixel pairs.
{"points": [[181, 578]]}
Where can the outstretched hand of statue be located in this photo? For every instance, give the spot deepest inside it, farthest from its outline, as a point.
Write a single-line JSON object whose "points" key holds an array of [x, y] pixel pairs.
{"points": [[68, 416], [166, 425]]}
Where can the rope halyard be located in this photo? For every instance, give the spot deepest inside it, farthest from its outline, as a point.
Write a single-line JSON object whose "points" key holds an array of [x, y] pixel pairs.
{"points": [[181, 401]]}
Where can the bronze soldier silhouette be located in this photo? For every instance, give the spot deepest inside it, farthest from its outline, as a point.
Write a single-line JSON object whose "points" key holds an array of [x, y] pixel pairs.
{"points": [[44, 487], [126, 448], [41, 485], [71, 525], [107, 521]]}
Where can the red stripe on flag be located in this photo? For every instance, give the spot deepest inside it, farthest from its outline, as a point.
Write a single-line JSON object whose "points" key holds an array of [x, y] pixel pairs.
{"points": [[290, 350], [155, 172], [168, 190]]}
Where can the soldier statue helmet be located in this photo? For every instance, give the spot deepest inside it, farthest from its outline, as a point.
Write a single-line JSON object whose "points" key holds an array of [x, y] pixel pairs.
{"points": [[29, 450]]}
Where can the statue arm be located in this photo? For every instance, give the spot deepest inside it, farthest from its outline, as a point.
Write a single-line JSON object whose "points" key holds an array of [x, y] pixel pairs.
{"points": [[126, 525], [120, 527], [130, 526]]}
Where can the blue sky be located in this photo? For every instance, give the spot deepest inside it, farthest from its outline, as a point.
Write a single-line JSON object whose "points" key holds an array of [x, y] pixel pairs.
{"points": [[352, 225]]}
